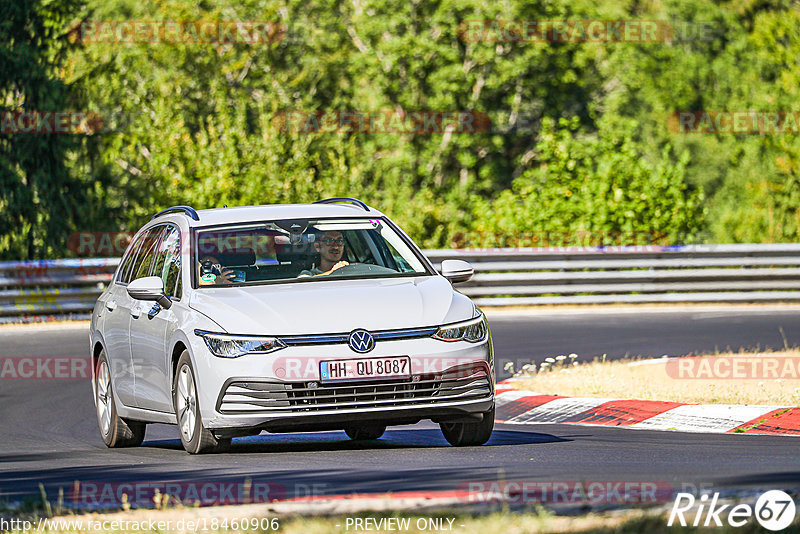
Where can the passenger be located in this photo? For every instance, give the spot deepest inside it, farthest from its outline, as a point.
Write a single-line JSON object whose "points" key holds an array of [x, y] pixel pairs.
{"points": [[213, 273]]}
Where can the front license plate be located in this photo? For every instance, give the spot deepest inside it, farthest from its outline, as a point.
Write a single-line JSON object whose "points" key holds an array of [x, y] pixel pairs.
{"points": [[365, 368]]}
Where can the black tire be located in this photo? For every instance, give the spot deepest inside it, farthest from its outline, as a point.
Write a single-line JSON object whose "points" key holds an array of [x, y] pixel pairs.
{"points": [[115, 431], [366, 432], [195, 437], [469, 434]]}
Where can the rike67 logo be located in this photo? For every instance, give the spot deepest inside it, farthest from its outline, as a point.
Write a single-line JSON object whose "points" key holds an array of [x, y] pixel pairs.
{"points": [[774, 510]]}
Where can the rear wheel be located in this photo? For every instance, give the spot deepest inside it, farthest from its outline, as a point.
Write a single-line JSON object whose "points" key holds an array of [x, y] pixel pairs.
{"points": [[115, 431], [366, 432], [195, 437], [469, 434]]}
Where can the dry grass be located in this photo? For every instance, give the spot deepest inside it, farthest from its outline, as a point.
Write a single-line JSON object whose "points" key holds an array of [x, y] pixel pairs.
{"points": [[499, 523], [649, 380]]}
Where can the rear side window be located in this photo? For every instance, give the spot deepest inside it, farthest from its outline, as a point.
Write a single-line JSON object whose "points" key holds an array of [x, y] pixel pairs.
{"points": [[168, 261], [147, 253]]}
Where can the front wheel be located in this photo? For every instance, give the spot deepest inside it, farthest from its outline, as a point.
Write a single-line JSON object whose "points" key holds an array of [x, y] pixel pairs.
{"points": [[469, 434], [195, 437], [115, 431]]}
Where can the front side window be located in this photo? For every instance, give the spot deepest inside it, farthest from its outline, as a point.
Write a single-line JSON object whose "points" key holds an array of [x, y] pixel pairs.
{"points": [[168, 261], [147, 253], [124, 271], [303, 250]]}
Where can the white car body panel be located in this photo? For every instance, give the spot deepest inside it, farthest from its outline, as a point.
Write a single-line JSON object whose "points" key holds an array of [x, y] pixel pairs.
{"points": [[333, 305], [148, 337], [116, 332]]}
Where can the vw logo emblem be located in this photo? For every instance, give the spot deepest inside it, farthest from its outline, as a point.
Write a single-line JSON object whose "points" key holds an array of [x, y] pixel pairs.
{"points": [[361, 341]]}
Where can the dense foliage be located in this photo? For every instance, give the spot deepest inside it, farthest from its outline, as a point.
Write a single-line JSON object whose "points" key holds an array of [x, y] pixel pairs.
{"points": [[40, 195], [579, 142]]}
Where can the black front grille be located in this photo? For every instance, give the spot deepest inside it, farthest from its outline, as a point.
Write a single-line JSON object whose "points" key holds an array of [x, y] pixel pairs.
{"points": [[258, 396]]}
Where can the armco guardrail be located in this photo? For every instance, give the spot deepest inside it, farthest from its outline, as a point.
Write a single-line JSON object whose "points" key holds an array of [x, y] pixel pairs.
{"points": [[566, 275], [599, 275], [52, 288]]}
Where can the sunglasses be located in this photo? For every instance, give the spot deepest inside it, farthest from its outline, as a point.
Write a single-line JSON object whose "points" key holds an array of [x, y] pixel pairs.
{"points": [[329, 242]]}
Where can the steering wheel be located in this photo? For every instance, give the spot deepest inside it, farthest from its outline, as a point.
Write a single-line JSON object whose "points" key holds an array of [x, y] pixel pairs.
{"points": [[362, 268], [346, 268]]}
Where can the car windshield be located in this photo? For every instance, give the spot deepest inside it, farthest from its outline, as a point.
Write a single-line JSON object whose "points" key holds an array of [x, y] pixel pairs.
{"points": [[302, 250]]}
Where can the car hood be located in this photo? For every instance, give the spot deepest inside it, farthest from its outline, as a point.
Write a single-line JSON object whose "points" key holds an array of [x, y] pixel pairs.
{"points": [[333, 306]]}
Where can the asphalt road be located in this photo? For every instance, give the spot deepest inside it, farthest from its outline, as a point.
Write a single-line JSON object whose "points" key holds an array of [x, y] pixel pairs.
{"points": [[637, 333], [48, 431]]}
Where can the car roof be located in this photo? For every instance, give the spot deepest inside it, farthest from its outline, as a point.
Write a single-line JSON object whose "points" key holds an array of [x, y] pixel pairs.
{"points": [[245, 214]]}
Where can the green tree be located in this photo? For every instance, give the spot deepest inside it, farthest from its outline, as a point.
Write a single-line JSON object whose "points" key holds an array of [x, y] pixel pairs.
{"points": [[200, 127], [195, 122], [597, 185], [42, 198]]}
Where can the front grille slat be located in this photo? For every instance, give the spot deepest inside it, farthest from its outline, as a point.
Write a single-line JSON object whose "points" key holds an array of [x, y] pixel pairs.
{"points": [[319, 396], [341, 338], [298, 387], [356, 404], [282, 397]]}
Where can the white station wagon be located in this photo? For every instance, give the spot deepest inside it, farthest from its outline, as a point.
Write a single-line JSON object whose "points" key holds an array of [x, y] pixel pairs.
{"points": [[287, 318]]}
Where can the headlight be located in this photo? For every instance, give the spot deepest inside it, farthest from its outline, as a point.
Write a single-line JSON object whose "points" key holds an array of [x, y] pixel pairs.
{"points": [[473, 331], [226, 346]]}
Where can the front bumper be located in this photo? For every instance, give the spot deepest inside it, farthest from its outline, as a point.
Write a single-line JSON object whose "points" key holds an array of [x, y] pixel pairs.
{"points": [[457, 392], [449, 381]]}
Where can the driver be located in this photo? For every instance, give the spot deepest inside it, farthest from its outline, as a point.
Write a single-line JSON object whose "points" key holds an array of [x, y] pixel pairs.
{"points": [[330, 247]]}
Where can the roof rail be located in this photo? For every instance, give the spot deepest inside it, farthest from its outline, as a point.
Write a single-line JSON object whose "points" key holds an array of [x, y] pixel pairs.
{"points": [[188, 210], [348, 200]]}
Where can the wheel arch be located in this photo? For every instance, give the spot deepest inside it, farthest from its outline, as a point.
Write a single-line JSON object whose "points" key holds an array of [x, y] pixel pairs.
{"points": [[180, 341], [175, 354], [97, 348]]}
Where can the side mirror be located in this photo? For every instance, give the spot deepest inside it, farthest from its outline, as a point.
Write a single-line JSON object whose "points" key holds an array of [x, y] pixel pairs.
{"points": [[149, 288], [457, 270]]}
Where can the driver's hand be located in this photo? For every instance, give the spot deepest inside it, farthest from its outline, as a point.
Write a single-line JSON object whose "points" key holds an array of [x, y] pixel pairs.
{"points": [[226, 277], [339, 265]]}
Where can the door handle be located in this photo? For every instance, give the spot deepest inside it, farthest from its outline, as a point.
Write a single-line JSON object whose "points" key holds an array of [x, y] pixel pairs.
{"points": [[111, 305], [136, 311]]}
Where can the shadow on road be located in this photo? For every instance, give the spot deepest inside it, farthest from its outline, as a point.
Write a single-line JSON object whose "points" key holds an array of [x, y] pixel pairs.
{"points": [[109, 471], [338, 441]]}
